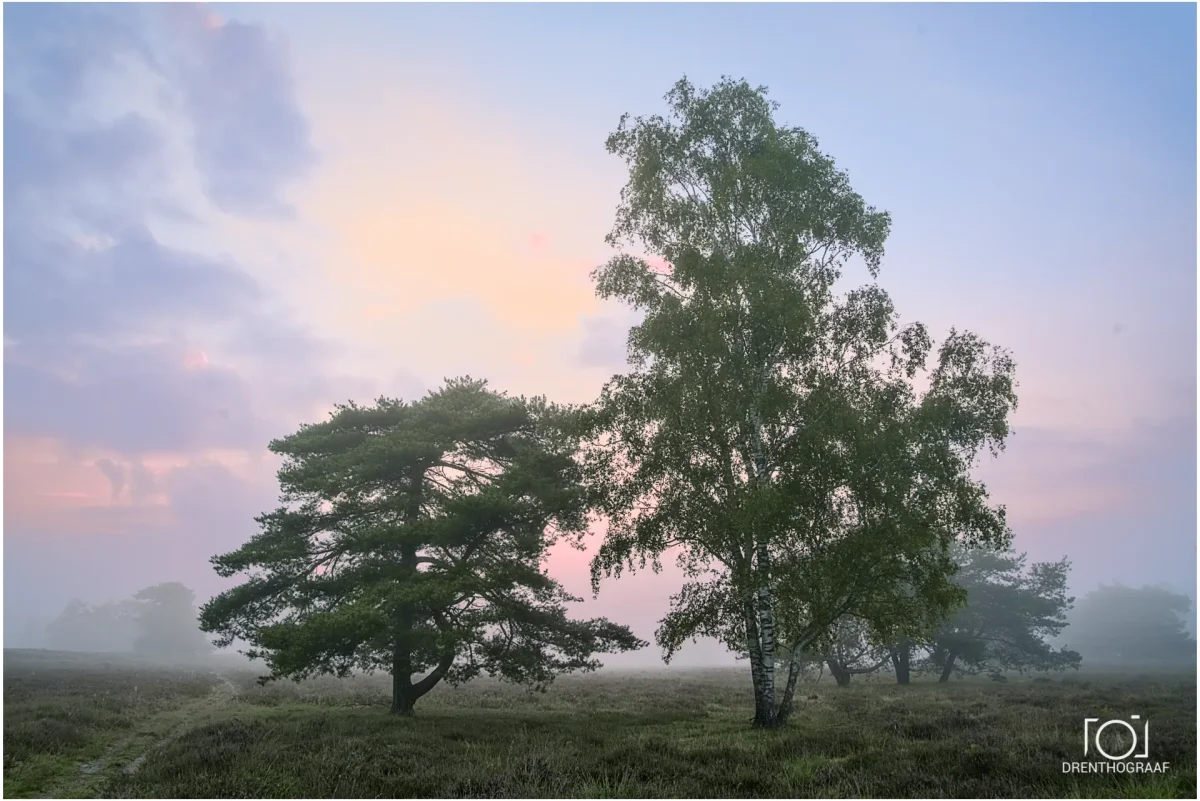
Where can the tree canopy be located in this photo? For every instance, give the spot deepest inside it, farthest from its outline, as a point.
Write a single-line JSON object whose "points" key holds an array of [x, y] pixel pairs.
{"points": [[770, 435], [110, 626], [166, 622], [411, 542], [1011, 612], [158, 620]]}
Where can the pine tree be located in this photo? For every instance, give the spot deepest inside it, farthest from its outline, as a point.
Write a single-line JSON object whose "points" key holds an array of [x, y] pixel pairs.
{"points": [[412, 542]]}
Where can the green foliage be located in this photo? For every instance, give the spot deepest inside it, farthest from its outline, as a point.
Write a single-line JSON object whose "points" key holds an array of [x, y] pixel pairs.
{"points": [[1118, 624], [1009, 615], [412, 541], [770, 435]]}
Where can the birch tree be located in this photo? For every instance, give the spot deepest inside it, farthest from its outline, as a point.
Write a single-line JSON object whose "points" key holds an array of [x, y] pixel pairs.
{"points": [[769, 435]]}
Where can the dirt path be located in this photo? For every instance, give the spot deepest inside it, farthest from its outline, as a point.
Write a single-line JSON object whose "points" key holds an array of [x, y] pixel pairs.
{"points": [[224, 694], [129, 754]]}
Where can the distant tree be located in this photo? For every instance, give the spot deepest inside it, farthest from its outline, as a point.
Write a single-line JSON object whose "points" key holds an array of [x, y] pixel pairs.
{"points": [[770, 434], [413, 542], [1010, 613], [70, 628], [167, 623], [853, 653], [1118, 624], [807, 663], [900, 653], [106, 627]]}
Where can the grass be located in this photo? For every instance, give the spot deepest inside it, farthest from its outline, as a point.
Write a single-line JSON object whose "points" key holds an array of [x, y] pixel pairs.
{"points": [[66, 711], [617, 735]]}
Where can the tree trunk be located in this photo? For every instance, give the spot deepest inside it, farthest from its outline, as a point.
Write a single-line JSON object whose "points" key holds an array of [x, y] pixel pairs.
{"points": [[948, 668], [766, 622], [785, 704], [402, 667], [764, 716], [404, 692], [840, 674], [764, 712], [403, 695], [403, 701], [901, 658], [862, 671]]}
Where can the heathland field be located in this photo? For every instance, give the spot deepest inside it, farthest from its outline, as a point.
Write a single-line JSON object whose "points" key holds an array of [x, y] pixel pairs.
{"points": [[95, 725]]}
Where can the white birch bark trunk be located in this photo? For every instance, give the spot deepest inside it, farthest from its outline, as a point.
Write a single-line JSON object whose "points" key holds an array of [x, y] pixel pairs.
{"points": [[766, 599], [762, 711]]}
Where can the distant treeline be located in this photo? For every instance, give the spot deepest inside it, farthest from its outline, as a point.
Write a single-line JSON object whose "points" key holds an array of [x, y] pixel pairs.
{"points": [[159, 620], [1018, 619], [1135, 627]]}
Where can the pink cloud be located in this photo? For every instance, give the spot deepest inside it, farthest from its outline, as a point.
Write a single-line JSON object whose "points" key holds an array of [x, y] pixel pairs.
{"points": [[60, 490], [188, 17], [539, 240], [195, 359]]}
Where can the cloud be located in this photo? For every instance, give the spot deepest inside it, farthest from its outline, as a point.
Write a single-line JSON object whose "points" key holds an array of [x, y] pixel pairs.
{"points": [[146, 367], [604, 337], [1122, 501], [603, 342], [45, 159], [117, 282], [132, 399], [251, 138], [114, 473], [105, 307], [59, 48]]}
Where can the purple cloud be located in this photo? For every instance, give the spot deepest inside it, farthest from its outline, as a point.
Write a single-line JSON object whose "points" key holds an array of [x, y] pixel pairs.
{"points": [[252, 139], [605, 337], [100, 312]]}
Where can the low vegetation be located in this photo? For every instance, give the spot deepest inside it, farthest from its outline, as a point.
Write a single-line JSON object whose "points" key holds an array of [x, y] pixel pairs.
{"points": [[66, 714], [84, 728]]}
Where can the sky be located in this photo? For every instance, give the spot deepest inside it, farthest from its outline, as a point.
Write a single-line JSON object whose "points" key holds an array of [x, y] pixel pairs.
{"points": [[220, 221]]}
